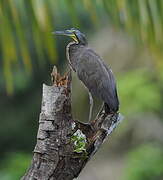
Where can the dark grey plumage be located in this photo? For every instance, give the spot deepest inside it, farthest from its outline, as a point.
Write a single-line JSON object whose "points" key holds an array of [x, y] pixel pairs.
{"points": [[91, 70], [94, 73]]}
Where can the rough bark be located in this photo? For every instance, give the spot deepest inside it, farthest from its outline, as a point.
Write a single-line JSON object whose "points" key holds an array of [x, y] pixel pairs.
{"points": [[65, 145]]}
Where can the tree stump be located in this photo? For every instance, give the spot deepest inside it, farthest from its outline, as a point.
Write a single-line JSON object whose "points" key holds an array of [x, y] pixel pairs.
{"points": [[65, 145]]}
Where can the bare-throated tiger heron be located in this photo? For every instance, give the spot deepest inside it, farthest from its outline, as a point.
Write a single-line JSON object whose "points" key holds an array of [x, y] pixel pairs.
{"points": [[91, 70]]}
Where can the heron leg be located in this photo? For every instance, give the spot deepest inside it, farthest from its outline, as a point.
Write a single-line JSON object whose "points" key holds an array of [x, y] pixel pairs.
{"points": [[102, 108], [91, 106]]}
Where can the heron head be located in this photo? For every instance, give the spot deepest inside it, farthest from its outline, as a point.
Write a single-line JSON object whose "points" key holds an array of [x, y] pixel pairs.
{"points": [[75, 34]]}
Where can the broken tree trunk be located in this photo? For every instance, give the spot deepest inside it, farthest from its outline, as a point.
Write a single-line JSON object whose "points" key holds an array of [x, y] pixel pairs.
{"points": [[65, 145]]}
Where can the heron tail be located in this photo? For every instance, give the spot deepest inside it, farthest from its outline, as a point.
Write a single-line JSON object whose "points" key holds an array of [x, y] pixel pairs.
{"points": [[109, 109]]}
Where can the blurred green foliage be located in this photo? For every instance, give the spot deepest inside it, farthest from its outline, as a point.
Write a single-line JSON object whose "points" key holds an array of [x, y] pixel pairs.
{"points": [[27, 50], [139, 92], [145, 163], [26, 26], [14, 166]]}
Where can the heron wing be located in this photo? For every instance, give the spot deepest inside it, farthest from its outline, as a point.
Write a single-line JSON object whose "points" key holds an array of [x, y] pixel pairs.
{"points": [[97, 77], [113, 84]]}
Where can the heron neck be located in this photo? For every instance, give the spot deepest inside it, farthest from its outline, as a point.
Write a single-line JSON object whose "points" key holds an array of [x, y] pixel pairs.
{"points": [[72, 52]]}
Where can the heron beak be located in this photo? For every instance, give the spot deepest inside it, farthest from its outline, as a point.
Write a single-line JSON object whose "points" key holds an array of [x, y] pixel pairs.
{"points": [[66, 33]]}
